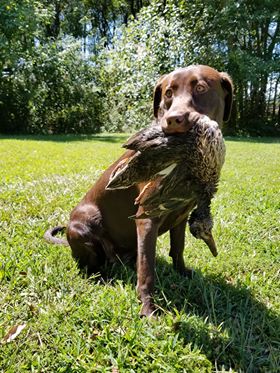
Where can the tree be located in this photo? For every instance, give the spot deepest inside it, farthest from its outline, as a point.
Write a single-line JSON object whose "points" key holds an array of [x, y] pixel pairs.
{"points": [[123, 46], [246, 35], [240, 37], [46, 84]]}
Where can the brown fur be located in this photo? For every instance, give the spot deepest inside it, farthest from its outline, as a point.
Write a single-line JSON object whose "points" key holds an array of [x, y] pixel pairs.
{"points": [[99, 226]]}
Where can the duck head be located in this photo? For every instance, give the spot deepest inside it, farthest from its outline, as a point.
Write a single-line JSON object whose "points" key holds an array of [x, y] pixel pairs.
{"points": [[201, 228]]}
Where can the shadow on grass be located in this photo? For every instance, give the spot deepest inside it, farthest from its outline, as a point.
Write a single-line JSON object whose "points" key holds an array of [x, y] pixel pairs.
{"points": [[224, 321], [119, 137], [235, 330], [114, 138], [252, 140]]}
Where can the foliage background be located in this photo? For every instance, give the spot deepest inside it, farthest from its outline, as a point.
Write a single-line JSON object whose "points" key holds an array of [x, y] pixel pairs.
{"points": [[89, 66]]}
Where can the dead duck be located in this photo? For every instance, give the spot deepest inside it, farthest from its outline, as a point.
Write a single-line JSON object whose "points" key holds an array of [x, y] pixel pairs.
{"points": [[178, 170]]}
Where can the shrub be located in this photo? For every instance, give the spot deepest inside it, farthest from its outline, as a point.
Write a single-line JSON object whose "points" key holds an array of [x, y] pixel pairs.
{"points": [[51, 90], [145, 49]]}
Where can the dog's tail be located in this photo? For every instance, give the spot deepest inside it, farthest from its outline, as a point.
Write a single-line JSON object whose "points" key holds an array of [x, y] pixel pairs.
{"points": [[51, 233]]}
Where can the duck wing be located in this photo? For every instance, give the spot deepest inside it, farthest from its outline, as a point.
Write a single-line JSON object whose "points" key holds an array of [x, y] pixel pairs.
{"points": [[146, 138], [155, 155], [195, 176], [140, 167], [163, 195], [177, 168]]}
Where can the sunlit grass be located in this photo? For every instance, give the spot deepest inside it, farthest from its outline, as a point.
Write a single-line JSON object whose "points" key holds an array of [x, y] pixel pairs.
{"points": [[226, 317]]}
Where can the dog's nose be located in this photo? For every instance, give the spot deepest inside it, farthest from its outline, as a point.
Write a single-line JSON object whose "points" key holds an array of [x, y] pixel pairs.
{"points": [[175, 119]]}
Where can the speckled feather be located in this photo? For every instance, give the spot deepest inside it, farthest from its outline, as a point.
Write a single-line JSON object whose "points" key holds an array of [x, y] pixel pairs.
{"points": [[179, 170], [178, 167]]}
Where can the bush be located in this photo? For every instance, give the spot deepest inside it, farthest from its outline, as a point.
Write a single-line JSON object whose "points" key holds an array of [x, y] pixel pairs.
{"points": [[142, 51], [155, 43], [51, 90]]}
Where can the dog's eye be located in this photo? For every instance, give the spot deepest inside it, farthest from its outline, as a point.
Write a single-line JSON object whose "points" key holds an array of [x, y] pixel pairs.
{"points": [[201, 88], [168, 93]]}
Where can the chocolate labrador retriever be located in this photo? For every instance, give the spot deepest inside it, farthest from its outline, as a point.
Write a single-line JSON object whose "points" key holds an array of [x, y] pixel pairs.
{"points": [[99, 227]]}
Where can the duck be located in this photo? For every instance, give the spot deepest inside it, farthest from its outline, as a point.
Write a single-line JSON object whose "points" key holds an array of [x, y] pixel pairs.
{"points": [[176, 170]]}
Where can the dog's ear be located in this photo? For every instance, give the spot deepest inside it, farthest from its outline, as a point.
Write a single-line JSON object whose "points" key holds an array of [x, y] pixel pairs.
{"points": [[157, 95], [227, 85]]}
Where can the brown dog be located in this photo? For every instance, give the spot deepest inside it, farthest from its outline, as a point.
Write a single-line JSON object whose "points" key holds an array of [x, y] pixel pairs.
{"points": [[99, 226]]}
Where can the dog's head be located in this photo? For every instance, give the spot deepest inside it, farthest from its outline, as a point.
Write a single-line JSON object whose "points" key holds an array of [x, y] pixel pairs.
{"points": [[185, 94]]}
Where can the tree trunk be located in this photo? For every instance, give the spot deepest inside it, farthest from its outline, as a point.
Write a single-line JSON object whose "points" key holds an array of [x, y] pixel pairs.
{"points": [[53, 29]]}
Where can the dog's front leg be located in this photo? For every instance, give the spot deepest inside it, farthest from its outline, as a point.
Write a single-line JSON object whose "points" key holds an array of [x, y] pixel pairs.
{"points": [[177, 245], [147, 232]]}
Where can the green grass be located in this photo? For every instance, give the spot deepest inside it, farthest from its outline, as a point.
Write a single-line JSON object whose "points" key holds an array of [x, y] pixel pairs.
{"points": [[225, 319]]}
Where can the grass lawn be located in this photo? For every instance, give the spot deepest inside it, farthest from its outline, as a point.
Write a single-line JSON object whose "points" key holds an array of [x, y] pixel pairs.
{"points": [[225, 319]]}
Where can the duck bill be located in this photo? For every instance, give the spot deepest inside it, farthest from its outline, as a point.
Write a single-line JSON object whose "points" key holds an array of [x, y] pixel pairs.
{"points": [[209, 240]]}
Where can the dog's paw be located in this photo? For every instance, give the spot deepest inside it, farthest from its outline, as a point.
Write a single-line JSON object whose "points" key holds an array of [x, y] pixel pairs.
{"points": [[184, 271], [187, 273], [148, 310]]}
